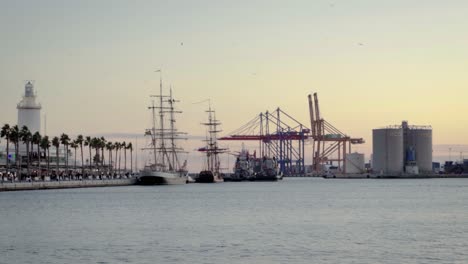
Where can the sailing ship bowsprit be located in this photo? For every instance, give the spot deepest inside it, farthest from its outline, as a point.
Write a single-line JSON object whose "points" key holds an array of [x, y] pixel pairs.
{"points": [[165, 166]]}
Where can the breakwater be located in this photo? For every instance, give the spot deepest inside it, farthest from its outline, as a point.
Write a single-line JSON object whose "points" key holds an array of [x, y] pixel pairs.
{"points": [[41, 185]]}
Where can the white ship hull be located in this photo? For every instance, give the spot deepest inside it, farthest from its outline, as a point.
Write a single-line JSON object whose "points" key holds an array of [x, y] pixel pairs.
{"points": [[149, 177]]}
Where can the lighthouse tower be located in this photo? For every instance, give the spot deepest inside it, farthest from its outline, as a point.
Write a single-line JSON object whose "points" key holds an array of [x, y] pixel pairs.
{"points": [[29, 111]]}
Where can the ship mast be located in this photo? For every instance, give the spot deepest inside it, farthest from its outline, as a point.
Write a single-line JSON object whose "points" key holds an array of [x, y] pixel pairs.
{"points": [[215, 143], [161, 117], [175, 161], [210, 142], [153, 131], [159, 132], [212, 148], [166, 158]]}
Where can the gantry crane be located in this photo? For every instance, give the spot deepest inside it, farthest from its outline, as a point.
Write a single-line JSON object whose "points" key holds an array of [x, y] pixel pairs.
{"points": [[280, 136], [327, 140]]}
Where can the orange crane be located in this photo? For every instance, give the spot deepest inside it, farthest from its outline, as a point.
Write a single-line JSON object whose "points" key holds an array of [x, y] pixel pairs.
{"points": [[327, 139]]}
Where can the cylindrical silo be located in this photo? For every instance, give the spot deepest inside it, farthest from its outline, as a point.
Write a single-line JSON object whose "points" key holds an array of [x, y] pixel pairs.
{"points": [[420, 139], [355, 163], [388, 150]]}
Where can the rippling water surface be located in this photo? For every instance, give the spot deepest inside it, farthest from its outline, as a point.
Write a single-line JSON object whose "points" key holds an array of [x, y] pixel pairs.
{"points": [[292, 221]]}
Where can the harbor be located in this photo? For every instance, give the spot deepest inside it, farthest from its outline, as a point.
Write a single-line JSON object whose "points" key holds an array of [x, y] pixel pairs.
{"points": [[400, 151], [233, 132]]}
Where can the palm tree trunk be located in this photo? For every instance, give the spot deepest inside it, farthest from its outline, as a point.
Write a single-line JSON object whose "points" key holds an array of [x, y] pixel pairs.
{"points": [[102, 155], [75, 160], [115, 163], [120, 155], [131, 161], [109, 162], [27, 154], [39, 159], [48, 162], [82, 164], [90, 159], [65, 147], [125, 159], [8, 154], [18, 161], [57, 154], [97, 161]]}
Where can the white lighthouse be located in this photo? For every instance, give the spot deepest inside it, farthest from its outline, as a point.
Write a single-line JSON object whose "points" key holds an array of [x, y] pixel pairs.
{"points": [[29, 111]]}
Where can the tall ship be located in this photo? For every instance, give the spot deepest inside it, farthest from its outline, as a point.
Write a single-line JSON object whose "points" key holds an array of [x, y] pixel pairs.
{"points": [[211, 172], [164, 167]]}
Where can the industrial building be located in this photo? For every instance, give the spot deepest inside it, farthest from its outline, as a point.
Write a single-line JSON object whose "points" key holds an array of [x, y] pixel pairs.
{"points": [[402, 149]]}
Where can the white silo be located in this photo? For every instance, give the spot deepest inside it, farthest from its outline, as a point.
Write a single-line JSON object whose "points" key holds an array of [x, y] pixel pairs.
{"points": [[355, 163], [29, 111], [419, 139], [387, 148]]}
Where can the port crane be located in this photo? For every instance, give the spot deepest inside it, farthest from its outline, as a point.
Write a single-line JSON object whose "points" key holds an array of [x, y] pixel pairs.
{"points": [[280, 136], [329, 143]]}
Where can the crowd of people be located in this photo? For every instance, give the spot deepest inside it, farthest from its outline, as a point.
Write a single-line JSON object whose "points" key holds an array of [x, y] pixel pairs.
{"points": [[12, 176]]}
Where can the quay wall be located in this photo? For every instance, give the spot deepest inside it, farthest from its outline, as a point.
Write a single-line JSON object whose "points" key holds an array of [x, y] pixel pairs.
{"points": [[395, 176], [22, 186]]}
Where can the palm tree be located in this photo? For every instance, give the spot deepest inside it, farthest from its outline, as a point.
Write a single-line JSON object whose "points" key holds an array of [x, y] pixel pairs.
{"points": [[5, 133], [26, 136], [56, 144], [74, 146], [121, 145], [95, 145], [65, 141], [109, 148], [79, 140], [36, 140], [45, 145], [87, 143], [14, 138], [102, 145], [116, 146], [130, 147], [124, 146]]}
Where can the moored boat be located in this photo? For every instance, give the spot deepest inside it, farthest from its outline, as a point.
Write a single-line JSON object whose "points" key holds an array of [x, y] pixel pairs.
{"points": [[208, 176], [164, 167], [266, 169], [211, 172], [243, 167], [150, 176]]}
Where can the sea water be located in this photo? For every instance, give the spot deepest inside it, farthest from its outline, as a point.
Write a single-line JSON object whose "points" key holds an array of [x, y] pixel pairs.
{"points": [[297, 220]]}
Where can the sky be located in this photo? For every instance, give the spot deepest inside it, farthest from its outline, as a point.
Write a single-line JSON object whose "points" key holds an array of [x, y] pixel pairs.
{"points": [[373, 63]]}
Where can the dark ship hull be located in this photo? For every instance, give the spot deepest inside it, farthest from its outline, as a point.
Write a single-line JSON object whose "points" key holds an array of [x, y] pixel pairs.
{"points": [[208, 177]]}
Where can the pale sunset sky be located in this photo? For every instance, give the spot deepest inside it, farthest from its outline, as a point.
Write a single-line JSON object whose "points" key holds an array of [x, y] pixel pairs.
{"points": [[373, 63]]}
